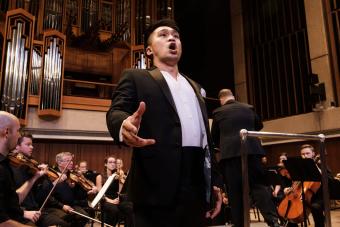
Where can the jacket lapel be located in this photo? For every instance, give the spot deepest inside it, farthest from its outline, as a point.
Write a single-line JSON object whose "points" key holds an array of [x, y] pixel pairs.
{"points": [[200, 101], [157, 75], [207, 158]]}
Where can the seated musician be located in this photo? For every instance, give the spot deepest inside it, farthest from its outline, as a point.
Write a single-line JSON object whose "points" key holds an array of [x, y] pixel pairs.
{"points": [[307, 151], [283, 156], [64, 194], [88, 174], [122, 175], [286, 181], [31, 204], [316, 202], [83, 195], [10, 212], [114, 208], [285, 186]]}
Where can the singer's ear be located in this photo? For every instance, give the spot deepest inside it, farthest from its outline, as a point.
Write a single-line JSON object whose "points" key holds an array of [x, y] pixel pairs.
{"points": [[148, 51]]}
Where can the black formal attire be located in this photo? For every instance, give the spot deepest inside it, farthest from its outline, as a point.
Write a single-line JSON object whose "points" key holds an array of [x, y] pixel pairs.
{"points": [[65, 194], [91, 175], [228, 120], [30, 203], [9, 200], [82, 197], [169, 185], [113, 213]]}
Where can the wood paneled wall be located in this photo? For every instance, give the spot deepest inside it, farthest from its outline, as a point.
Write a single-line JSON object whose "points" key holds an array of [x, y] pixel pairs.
{"points": [[95, 152], [92, 152], [292, 149]]}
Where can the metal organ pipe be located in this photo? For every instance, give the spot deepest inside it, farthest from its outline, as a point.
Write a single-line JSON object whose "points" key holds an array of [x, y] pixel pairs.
{"points": [[52, 76], [36, 72], [16, 73]]}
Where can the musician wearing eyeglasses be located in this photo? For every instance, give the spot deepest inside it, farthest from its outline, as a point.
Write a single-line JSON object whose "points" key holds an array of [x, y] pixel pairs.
{"points": [[114, 207], [63, 202]]}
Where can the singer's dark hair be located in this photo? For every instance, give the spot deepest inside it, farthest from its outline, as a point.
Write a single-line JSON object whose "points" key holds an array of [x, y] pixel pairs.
{"points": [[164, 22]]}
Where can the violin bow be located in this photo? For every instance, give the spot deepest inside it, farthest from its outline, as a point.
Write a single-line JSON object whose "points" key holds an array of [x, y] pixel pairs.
{"points": [[93, 219], [50, 193]]}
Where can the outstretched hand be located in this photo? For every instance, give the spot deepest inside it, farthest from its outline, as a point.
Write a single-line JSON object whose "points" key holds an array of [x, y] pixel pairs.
{"points": [[130, 127]]}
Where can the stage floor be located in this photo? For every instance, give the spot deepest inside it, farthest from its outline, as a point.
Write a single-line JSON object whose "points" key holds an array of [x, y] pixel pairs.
{"points": [[335, 218]]}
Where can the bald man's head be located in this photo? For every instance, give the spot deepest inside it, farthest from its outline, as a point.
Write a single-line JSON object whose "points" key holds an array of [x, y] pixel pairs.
{"points": [[7, 119], [225, 95], [9, 131]]}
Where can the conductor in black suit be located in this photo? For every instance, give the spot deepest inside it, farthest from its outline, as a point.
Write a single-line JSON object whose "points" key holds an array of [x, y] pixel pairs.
{"points": [[161, 114], [228, 120]]}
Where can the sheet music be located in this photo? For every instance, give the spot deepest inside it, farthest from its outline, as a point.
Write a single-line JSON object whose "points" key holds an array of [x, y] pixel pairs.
{"points": [[103, 190]]}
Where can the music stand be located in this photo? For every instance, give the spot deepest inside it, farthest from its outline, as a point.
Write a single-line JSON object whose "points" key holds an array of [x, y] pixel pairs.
{"points": [[302, 170], [99, 196], [271, 177]]}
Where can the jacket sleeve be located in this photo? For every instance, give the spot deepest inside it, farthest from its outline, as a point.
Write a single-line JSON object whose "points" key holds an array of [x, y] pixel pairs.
{"points": [[124, 103]]}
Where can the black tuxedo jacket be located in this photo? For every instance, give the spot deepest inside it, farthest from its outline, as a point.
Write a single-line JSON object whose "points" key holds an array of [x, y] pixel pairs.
{"points": [[228, 120], [154, 173]]}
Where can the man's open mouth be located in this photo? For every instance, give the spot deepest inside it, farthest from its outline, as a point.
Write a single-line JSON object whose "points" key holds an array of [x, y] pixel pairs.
{"points": [[172, 46]]}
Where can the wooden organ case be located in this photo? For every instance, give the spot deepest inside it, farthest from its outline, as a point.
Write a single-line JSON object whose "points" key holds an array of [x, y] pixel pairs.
{"points": [[71, 52], [16, 63], [53, 73]]}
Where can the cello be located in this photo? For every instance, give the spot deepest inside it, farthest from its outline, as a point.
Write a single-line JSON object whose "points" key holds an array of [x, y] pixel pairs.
{"points": [[291, 207]]}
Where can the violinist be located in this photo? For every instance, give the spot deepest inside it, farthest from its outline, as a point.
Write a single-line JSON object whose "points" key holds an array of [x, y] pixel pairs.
{"points": [[22, 173], [84, 195], [114, 208], [121, 173], [11, 213], [88, 174], [64, 194]]}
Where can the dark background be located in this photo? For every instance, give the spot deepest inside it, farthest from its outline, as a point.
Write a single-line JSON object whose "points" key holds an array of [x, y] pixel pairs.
{"points": [[207, 46]]}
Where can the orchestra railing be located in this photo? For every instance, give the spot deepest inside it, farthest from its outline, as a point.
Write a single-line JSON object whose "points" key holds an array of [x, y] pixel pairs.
{"points": [[244, 159]]}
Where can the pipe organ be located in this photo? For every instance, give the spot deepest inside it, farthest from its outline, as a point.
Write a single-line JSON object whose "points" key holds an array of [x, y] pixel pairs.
{"points": [[89, 14], [16, 62], [36, 67], [53, 74], [104, 37], [53, 14]]}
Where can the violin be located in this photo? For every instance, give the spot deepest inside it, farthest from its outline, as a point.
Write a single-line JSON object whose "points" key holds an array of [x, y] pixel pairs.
{"points": [[18, 159], [78, 178]]}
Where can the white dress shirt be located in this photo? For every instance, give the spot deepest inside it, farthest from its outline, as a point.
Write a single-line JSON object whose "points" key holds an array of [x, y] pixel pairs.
{"points": [[188, 110]]}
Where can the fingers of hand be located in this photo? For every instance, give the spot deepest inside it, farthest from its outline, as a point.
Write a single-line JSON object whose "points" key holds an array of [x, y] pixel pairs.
{"points": [[36, 216], [136, 141], [128, 126], [63, 177]]}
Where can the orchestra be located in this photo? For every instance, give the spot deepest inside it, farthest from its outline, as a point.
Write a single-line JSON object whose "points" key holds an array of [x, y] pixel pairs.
{"points": [[70, 189]]}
